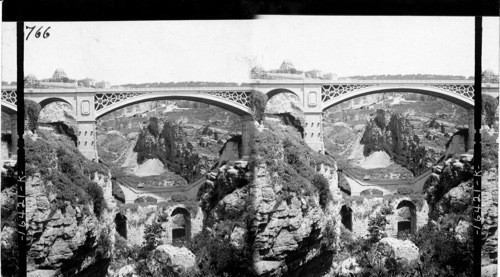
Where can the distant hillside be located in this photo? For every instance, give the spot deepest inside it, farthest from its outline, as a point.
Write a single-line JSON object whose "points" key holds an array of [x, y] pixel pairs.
{"points": [[411, 77], [180, 84]]}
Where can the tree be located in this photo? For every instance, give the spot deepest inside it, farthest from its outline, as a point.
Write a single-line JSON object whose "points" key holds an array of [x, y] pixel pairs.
{"points": [[258, 101], [31, 113], [376, 225], [488, 76], [154, 127], [489, 108]]}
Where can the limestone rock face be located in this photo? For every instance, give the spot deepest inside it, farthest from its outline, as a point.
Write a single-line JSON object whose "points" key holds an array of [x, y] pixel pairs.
{"points": [[285, 233], [404, 249], [489, 214], [55, 234], [175, 258]]}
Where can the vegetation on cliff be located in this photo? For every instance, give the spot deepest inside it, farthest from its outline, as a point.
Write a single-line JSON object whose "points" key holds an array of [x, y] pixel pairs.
{"points": [[59, 162]]}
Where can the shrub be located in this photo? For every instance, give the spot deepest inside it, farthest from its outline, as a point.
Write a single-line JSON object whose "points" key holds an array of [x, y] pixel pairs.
{"points": [[31, 113], [258, 102], [217, 257], [154, 127], [377, 224], [442, 253], [489, 152], [489, 108], [325, 195], [152, 236]]}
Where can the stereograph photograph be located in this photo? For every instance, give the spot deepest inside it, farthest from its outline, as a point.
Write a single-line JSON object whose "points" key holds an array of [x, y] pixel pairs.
{"points": [[277, 146]]}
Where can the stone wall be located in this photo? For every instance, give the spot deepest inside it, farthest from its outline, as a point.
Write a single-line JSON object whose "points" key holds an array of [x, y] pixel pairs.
{"points": [[138, 216], [364, 208]]}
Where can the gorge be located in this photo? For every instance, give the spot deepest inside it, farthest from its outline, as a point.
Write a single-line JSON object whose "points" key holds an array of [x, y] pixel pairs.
{"points": [[281, 211]]}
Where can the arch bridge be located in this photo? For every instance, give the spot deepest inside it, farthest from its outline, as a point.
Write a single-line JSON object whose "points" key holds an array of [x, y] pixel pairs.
{"points": [[315, 97]]}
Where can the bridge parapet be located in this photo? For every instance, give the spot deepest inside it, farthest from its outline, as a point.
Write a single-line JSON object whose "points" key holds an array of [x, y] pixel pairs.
{"points": [[9, 96]]}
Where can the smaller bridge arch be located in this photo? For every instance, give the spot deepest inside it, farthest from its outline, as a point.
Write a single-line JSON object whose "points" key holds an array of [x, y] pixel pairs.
{"points": [[273, 92], [49, 100]]}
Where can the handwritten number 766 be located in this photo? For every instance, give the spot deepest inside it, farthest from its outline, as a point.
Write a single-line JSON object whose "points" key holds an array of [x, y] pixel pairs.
{"points": [[38, 33]]}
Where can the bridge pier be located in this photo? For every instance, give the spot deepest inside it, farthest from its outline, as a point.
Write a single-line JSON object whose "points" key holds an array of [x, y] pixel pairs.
{"points": [[247, 134], [313, 131], [470, 139], [87, 139]]}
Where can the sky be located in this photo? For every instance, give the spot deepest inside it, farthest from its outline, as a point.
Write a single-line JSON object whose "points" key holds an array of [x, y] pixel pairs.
{"points": [[165, 51]]}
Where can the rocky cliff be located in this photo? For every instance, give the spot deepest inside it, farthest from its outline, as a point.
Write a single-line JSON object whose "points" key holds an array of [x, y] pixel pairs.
{"points": [[70, 226], [65, 237], [189, 150], [449, 192], [272, 206], [411, 141]]}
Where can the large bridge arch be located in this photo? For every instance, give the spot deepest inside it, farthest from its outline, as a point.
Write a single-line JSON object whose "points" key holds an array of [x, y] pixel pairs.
{"points": [[239, 106], [333, 97]]}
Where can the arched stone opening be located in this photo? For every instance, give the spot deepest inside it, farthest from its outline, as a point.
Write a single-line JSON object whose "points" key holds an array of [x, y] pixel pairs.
{"points": [[121, 225], [406, 218], [47, 101], [346, 217], [59, 115], [282, 101], [181, 224]]}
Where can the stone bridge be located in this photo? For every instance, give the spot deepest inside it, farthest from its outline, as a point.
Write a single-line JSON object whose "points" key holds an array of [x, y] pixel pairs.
{"points": [[161, 194], [387, 186], [315, 97]]}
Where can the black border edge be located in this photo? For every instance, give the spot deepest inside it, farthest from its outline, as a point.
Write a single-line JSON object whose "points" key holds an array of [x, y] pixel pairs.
{"points": [[120, 10], [476, 200], [20, 166]]}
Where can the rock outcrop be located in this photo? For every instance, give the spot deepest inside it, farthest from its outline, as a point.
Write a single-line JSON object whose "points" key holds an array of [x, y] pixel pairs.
{"points": [[186, 149], [411, 141], [489, 214], [400, 249], [62, 235], [285, 230], [175, 259]]}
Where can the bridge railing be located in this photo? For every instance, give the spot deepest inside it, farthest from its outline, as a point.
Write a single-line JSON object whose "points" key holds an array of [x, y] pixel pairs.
{"points": [[469, 82], [245, 87], [129, 89]]}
